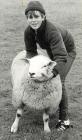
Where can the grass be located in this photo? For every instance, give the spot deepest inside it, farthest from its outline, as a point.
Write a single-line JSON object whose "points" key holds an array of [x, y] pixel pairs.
{"points": [[67, 13]]}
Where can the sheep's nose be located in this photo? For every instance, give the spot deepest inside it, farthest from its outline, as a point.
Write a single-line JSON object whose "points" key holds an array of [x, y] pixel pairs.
{"points": [[31, 74]]}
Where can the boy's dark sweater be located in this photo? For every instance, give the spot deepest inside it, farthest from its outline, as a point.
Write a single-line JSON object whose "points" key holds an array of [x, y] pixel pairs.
{"points": [[56, 41]]}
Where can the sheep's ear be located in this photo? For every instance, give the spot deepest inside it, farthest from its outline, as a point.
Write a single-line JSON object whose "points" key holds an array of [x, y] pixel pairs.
{"points": [[51, 63], [26, 60]]}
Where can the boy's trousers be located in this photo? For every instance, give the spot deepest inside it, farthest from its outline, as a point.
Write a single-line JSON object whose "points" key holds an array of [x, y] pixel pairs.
{"points": [[63, 107]]}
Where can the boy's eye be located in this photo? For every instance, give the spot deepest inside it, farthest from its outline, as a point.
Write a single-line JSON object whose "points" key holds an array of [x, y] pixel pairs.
{"points": [[32, 16], [36, 16]]}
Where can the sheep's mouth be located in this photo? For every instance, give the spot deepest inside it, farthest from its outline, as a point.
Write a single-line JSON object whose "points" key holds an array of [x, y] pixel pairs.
{"points": [[32, 77], [36, 78]]}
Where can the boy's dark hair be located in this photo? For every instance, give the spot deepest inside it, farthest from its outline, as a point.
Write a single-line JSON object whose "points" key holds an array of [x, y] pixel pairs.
{"points": [[34, 5], [33, 14]]}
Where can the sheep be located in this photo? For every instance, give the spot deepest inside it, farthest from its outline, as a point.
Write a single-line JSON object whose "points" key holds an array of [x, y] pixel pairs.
{"points": [[33, 87]]}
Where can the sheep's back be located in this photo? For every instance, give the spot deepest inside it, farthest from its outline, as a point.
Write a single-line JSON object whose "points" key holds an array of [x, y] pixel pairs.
{"points": [[18, 68]]}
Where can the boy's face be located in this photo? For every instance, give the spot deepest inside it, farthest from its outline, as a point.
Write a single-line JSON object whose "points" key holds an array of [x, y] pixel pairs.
{"points": [[35, 19]]}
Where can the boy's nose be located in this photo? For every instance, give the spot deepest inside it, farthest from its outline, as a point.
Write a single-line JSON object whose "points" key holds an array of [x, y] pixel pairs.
{"points": [[33, 19]]}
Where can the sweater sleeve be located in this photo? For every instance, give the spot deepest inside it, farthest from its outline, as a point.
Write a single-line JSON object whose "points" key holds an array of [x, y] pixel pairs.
{"points": [[58, 51], [30, 44]]}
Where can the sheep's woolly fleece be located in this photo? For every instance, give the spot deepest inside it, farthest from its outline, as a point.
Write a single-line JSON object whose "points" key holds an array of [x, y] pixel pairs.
{"points": [[37, 95]]}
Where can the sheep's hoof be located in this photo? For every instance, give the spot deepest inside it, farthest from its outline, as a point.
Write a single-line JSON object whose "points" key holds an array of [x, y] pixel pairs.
{"points": [[14, 128], [47, 130]]}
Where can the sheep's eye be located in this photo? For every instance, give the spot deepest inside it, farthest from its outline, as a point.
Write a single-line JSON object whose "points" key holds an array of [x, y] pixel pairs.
{"points": [[44, 66]]}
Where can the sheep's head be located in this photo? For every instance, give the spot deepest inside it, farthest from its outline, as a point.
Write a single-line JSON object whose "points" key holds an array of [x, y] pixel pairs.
{"points": [[40, 68]]}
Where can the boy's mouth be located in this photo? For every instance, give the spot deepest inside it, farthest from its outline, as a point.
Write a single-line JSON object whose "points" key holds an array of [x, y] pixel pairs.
{"points": [[34, 24]]}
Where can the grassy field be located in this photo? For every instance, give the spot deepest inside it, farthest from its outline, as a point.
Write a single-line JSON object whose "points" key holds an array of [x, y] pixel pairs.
{"points": [[12, 25]]}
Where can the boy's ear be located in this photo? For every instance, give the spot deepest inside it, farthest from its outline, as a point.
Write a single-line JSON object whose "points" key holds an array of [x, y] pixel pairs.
{"points": [[43, 17]]}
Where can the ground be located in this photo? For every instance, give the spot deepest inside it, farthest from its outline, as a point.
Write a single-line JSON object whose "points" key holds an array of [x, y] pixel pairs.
{"points": [[12, 25]]}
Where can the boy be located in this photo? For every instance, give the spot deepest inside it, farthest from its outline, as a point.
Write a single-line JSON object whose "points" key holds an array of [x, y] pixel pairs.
{"points": [[59, 45]]}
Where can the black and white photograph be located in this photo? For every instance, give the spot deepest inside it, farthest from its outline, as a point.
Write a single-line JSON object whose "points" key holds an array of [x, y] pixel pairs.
{"points": [[40, 70]]}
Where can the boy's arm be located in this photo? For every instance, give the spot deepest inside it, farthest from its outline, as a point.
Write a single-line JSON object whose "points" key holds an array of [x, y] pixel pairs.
{"points": [[58, 51], [30, 44]]}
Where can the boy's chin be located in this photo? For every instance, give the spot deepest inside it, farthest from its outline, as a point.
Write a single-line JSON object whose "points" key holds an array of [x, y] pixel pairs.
{"points": [[34, 28]]}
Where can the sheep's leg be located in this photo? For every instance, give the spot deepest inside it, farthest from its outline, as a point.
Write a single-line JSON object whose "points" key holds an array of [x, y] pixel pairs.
{"points": [[14, 126], [46, 122]]}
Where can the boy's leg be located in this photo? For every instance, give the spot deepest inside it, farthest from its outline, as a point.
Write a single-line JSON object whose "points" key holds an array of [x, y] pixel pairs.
{"points": [[63, 107]]}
